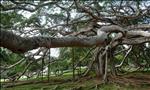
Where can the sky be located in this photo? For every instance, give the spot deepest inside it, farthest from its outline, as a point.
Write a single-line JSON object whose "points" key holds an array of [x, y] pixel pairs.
{"points": [[54, 51]]}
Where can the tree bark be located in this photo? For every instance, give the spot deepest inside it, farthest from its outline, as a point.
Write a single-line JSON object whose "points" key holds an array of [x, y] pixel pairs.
{"points": [[22, 44]]}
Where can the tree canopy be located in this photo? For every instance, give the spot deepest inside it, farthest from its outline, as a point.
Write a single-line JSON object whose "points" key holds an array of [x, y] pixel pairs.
{"points": [[115, 30], [73, 23]]}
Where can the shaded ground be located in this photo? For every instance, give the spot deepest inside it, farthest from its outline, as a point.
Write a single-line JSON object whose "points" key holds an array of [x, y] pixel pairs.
{"points": [[132, 81]]}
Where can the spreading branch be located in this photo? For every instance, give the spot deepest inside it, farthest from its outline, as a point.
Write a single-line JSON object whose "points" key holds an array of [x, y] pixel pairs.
{"points": [[22, 44]]}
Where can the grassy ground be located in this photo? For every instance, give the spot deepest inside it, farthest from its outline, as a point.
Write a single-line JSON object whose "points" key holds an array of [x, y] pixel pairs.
{"points": [[134, 81]]}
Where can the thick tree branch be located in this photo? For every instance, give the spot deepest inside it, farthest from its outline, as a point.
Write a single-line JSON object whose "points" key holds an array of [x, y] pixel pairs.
{"points": [[135, 41], [20, 45], [140, 26]]}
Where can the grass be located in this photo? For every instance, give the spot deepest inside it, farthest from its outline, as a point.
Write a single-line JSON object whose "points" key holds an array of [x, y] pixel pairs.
{"points": [[82, 84], [88, 85]]}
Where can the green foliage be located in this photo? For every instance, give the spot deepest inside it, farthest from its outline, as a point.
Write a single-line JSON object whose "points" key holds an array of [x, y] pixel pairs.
{"points": [[8, 19], [8, 57], [79, 54], [3, 55], [119, 57]]}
